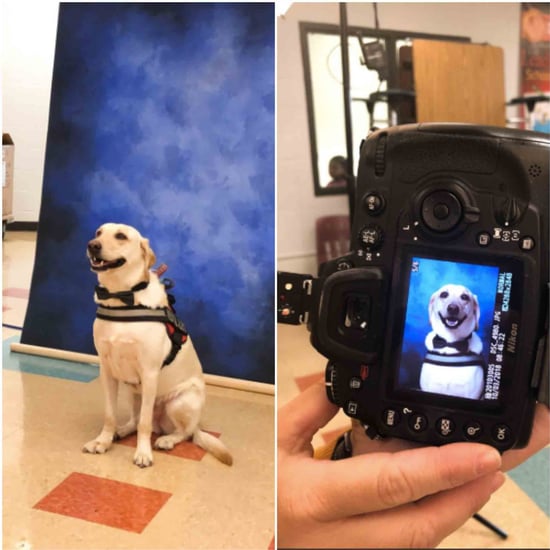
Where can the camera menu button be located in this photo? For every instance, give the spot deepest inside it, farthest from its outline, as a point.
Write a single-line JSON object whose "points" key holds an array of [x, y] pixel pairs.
{"points": [[391, 417]]}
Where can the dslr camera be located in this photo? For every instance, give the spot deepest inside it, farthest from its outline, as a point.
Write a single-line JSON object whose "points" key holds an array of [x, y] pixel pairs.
{"points": [[435, 324]]}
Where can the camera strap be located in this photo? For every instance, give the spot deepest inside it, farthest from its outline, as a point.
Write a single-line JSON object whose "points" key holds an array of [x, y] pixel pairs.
{"points": [[543, 356]]}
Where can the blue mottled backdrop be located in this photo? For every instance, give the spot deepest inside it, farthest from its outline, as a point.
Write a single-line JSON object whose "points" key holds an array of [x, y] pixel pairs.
{"points": [[162, 117]]}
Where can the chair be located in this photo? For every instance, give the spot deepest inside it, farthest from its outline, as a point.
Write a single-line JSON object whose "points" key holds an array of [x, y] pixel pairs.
{"points": [[333, 237]]}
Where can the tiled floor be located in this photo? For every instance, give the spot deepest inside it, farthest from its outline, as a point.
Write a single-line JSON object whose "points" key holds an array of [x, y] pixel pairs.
{"points": [[520, 507], [56, 497]]}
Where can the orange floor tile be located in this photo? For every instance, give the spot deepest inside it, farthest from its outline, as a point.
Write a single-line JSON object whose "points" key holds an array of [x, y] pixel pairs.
{"points": [[185, 449], [104, 501]]}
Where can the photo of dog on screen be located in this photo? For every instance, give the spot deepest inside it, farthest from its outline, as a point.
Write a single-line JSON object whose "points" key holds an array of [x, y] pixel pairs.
{"points": [[447, 328], [454, 317]]}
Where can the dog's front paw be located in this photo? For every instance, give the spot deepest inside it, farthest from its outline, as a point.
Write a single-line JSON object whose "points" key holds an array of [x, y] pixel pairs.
{"points": [[96, 446], [143, 459]]}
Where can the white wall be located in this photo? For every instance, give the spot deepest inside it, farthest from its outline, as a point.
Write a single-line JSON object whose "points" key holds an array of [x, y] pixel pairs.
{"points": [[28, 45], [298, 208]]}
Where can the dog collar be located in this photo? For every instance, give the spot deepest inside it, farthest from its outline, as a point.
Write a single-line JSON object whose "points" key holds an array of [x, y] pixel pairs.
{"points": [[125, 296]]}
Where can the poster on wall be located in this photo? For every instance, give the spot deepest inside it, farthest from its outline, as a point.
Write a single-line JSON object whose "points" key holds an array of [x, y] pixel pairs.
{"points": [[535, 61], [162, 117]]}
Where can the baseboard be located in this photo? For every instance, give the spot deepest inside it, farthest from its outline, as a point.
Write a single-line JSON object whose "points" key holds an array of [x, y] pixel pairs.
{"points": [[211, 379], [22, 226]]}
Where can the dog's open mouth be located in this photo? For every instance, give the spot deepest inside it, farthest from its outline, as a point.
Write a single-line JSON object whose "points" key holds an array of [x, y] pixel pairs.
{"points": [[451, 322], [98, 264]]}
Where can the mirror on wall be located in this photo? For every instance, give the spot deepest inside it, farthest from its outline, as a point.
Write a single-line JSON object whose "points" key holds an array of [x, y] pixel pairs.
{"points": [[378, 97]]}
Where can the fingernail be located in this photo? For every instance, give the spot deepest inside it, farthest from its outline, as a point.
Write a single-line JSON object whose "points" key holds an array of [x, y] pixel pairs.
{"points": [[488, 462]]}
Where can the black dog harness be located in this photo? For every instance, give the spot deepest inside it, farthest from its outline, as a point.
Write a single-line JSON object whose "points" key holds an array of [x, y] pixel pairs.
{"points": [[456, 360], [130, 313], [462, 358]]}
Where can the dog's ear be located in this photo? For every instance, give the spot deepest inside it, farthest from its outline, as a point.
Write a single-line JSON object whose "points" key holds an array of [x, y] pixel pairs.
{"points": [[148, 254], [476, 310], [431, 305]]}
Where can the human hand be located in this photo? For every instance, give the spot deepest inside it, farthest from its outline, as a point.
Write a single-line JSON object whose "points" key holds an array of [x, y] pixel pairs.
{"points": [[409, 498]]}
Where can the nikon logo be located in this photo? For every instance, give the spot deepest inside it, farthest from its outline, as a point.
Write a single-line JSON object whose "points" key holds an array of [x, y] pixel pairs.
{"points": [[512, 339]]}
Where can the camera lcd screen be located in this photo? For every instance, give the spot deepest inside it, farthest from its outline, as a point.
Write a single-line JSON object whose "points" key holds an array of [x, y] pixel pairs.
{"points": [[460, 328]]}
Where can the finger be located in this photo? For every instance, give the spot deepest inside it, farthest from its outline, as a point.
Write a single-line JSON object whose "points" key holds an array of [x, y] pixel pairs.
{"points": [[444, 513], [420, 525], [301, 418], [379, 481], [540, 437]]}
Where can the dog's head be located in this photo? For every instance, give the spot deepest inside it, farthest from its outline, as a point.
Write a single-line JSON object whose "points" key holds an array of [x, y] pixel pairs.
{"points": [[118, 248], [454, 310]]}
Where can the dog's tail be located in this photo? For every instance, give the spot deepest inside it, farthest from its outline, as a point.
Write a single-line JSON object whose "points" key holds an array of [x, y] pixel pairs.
{"points": [[213, 445]]}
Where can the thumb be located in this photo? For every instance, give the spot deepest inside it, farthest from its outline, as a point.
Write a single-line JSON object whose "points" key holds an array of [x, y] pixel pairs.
{"points": [[378, 481], [301, 418]]}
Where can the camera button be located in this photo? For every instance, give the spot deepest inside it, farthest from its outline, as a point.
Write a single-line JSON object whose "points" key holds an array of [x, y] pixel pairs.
{"points": [[418, 422], [374, 203], [484, 239], [527, 244], [391, 417], [371, 237], [445, 426], [343, 265], [501, 433], [441, 211], [351, 408], [355, 383], [473, 430]]}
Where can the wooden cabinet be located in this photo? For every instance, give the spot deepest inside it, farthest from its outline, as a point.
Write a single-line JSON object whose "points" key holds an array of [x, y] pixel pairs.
{"points": [[458, 82]]}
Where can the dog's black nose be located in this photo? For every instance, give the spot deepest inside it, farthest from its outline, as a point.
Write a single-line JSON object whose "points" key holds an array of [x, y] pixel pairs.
{"points": [[452, 309], [94, 246]]}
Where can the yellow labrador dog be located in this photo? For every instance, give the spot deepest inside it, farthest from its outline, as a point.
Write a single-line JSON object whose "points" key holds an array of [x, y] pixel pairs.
{"points": [[453, 365], [134, 337]]}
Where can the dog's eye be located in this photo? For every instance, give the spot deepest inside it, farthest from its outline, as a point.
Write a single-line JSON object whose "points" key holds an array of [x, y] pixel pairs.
{"points": [[121, 236], [98, 233], [444, 294], [465, 297]]}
